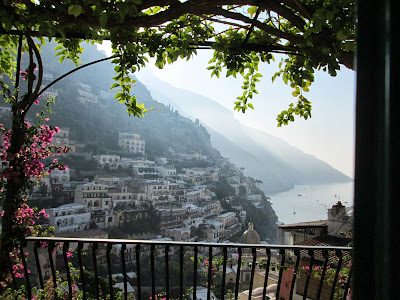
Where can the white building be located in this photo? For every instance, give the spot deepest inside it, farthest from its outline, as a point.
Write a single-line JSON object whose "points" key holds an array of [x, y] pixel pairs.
{"points": [[228, 219], [167, 171], [214, 231], [61, 139], [162, 191], [57, 175], [161, 160], [195, 222], [254, 198], [96, 198], [194, 172], [69, 218], [131, 142], [86, 95], [178, 234], [126, 195], [192, 209], [111, 161], [108, 180], [211, 209]]}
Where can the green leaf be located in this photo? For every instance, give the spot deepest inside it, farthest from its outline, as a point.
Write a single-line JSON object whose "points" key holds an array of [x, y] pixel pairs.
{"points": [[103, 19], [75, 10]]}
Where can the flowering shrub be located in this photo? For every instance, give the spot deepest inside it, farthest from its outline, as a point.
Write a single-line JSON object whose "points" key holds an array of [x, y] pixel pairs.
{"points": [[61, 292], [330, 273], [23, 154]]}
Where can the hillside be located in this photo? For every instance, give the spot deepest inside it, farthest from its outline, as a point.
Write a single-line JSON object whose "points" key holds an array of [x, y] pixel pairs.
{"points": [[172, 125], [279, 165], [97, 125]]}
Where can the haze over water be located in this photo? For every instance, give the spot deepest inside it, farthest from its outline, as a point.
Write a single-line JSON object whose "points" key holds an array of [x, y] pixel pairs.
{"points": [[310, 203]]}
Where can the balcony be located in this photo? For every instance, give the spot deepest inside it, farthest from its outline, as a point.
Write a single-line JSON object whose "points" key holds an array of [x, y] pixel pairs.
{"points": [[187, 270]]}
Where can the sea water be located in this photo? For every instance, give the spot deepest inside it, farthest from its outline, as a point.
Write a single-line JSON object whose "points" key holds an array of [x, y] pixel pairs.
{"points": [[311, 202]]}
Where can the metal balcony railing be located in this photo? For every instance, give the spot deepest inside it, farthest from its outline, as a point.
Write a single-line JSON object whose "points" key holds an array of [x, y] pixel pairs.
{"points": [[289, 266]]}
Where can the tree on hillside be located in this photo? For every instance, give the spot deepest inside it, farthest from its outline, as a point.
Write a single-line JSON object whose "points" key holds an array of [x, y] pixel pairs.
{"points": [[313, 35]]}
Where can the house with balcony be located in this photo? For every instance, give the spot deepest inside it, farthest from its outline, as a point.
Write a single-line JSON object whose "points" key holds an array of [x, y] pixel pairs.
{"points": [[211, 209], [178, 234], [131, 142], [172, 217], [162, 191], [61, 139], [109, 180], [95, 197], [57, 175], [228, 219], [167, 171], [69, 218], [110, 161]]}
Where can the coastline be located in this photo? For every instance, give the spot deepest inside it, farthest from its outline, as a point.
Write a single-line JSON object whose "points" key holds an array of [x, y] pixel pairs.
{"points": [[310, 202]]}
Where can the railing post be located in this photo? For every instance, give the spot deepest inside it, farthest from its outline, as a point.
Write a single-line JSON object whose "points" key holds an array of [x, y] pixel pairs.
{"points": [[51, 247], [339, 266], [296, 267], [82, 277], [110, 281], [195, 262], [65, 250], [26, 273], [166, 271], [283, 257], [139, 284], [181, 272], [36, 246], [123, 248], [268, 251], [96, 275], [253, 268], [238, 273], [325, 253], [153, 284], [210, 270], [311, 254], [225, 254]]}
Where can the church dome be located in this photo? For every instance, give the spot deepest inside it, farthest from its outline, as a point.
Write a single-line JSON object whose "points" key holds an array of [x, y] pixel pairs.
{"points": [[250, 236]]}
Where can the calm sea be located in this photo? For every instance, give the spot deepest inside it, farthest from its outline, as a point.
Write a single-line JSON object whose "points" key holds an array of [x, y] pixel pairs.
{"points": [[310, 203]]}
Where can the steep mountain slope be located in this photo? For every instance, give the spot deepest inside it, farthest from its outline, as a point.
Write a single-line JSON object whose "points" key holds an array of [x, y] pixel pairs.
{"points": [[275, 162], [97, 124]]}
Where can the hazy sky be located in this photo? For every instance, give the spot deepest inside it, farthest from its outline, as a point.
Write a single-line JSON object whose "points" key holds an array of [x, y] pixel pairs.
{"points": [[328, 135]]}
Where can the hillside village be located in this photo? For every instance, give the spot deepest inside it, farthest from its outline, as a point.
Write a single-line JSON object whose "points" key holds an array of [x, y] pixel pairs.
{"points": [[156, 200]]}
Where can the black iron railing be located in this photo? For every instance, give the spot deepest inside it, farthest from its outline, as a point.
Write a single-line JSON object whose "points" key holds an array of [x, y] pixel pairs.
{"points": [[194, 265]]}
